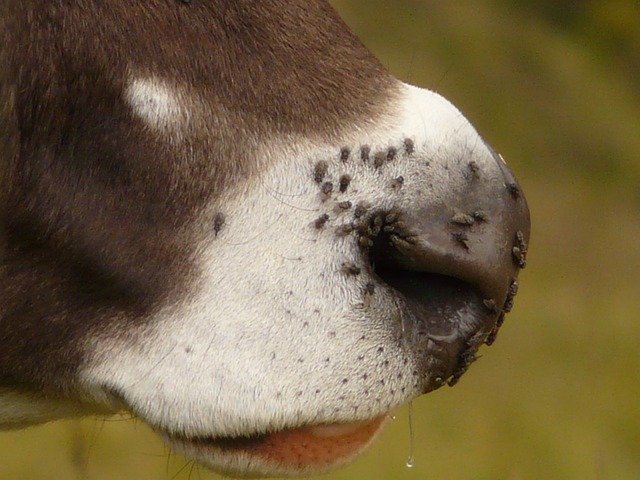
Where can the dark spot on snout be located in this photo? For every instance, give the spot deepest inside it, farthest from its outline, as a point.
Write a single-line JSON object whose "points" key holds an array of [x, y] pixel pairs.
{"points": [[475, 169], [491, 305], [479, 216], [391, 217], [344, 230], [519, 250], [365, 242], [320, 221], [345, 180], [346, 205], [364, 153], [344, 154], [506, 308], [361, 210], [465, 359], [379, 159], [513, 189], [462, 239], [463, 219], [391, 153], [320, 171], [218, 222], [409, 146], [397, 183], [350, 268], [325, 190], [511, 293], [491, 338]]}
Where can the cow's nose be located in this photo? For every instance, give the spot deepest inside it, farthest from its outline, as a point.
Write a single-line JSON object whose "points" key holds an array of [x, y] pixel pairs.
{"points": [[454, 256], [477, 233]]}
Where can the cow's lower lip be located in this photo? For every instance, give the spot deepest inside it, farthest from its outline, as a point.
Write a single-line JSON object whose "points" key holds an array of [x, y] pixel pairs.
{"points": [[288, 452]]}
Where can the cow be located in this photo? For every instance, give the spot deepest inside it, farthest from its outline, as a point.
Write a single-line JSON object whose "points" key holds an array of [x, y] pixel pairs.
{"points": [[230, 220]]}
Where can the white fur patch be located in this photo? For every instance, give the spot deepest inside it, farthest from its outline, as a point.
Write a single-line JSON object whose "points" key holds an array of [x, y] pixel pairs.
{"points": [[159, 104]]}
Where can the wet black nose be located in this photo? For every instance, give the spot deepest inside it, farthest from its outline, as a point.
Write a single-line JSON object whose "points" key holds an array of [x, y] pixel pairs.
{"points": [[454, 256]]}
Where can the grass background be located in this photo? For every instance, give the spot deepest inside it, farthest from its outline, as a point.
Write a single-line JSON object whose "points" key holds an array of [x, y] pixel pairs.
{"points": [[553, 86]]}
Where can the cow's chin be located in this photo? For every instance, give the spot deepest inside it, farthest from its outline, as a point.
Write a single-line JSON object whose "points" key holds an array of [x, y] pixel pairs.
{"points": [[446, 322], [294, 452]]}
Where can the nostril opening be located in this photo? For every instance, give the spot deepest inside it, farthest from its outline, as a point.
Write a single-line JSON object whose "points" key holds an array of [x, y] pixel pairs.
{"points": [[427, 288], [420, 284], [396, 252], [423, 288]]}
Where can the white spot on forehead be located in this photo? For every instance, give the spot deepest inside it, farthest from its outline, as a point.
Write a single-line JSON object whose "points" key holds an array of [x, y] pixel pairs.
{"points": [[159, 104]]}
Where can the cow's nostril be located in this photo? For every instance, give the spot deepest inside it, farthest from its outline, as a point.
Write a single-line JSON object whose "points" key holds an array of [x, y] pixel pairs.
{"points": [[450, 299], [456, 253], [437, 301], [438, 293]]}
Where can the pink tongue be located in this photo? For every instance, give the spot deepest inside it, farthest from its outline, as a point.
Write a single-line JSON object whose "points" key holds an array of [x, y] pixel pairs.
{"points": [[317, 446]]}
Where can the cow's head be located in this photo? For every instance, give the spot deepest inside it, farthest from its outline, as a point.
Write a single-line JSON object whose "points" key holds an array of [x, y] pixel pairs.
{"points": [[227, 218]]}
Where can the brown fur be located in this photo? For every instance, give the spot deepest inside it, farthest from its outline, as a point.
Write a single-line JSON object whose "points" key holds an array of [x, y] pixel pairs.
{"points": [[96, 209]]}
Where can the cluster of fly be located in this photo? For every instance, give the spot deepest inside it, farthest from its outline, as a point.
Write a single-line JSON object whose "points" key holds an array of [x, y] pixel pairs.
{"points": [[469, 219], [366, 226], [386, 226], [519, 250], [382, 156], [319, 173], [377, 229], [462, 219], [511, 293], [465, 359], [379, 158], [506, 308], [469, 354]]}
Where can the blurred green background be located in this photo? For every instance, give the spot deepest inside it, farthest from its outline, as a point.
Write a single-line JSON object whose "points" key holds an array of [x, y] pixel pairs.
{"points": [[555, 87]]}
